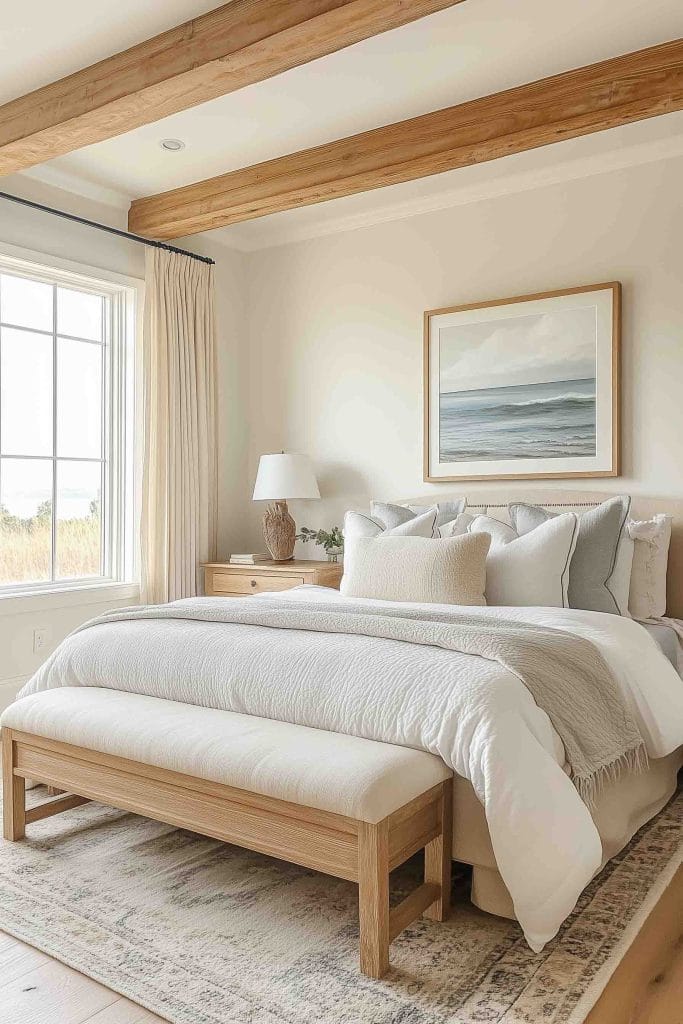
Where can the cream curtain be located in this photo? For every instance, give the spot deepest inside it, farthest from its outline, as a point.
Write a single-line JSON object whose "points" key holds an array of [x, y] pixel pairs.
{"points": [[178, 514]]}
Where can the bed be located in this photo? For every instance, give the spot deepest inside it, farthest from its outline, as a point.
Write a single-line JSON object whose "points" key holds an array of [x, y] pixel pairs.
{"points": [[518, 819], [623, 807]]}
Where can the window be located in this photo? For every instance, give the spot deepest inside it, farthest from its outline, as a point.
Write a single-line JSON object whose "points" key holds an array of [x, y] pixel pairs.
{"points": [[66, 419]]}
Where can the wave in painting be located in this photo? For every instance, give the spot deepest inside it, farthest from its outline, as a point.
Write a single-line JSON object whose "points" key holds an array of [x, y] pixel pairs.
{"points": [[528, 421]]}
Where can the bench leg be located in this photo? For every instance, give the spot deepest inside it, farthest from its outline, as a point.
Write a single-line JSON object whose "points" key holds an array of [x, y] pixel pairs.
{"points": [[373, 897], [438, 857], [13, 793]]}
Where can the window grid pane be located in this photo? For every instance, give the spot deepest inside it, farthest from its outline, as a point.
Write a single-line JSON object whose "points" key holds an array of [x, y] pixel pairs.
{"points": [[25, 521], [79, 314], [25, 392], [78, 516], [52, 527], [79, 424], [26, 303]]}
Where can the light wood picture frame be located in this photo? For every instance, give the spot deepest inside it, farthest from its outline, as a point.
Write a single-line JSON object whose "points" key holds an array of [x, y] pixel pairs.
{"points": [[524, 387]]}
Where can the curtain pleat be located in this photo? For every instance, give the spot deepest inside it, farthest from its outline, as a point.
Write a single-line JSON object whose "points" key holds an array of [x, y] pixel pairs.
{"points": [[179, 500]]}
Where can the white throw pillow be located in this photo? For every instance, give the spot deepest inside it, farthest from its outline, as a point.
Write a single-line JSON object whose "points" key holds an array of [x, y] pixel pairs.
{"points": [[395, 568], [358, 524], [651, 537], [531, 570]]}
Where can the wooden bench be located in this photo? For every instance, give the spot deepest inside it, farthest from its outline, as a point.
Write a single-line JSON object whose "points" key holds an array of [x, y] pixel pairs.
{"points": [[349, 807]]}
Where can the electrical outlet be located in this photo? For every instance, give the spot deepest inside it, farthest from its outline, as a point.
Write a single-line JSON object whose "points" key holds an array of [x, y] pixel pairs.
{"points": [[41, 636]]}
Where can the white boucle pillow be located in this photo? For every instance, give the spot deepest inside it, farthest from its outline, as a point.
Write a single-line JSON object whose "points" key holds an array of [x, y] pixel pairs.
{"points": [[532, 569], [647, 595], [395, 568]]}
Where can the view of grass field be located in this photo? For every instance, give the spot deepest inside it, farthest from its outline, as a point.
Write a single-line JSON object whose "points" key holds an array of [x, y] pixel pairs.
{"points": [[25, 546]]}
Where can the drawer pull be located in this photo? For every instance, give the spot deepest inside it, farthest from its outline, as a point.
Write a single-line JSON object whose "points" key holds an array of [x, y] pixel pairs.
{"points": [[254, 583]]}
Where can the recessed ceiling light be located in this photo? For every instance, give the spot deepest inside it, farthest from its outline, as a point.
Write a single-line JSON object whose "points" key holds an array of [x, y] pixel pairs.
{"points": [[172, 145]]}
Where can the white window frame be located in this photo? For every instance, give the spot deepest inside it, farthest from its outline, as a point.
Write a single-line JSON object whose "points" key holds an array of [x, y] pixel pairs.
{"points": [[120, 502]]}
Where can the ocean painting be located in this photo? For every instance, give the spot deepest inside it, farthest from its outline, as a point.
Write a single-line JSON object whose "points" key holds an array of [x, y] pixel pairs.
{"points": [[549, 420], [521, 387]]}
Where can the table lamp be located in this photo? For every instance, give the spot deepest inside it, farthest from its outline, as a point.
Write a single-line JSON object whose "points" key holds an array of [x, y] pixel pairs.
{"points": [[281, 477]]}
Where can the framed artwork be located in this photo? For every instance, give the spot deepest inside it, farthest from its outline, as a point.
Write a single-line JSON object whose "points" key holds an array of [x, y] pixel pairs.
{"points": [[523, 387]]}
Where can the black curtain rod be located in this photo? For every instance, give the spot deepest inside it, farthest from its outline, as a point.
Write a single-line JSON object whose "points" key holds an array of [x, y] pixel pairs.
{"points": [[104, 227]]}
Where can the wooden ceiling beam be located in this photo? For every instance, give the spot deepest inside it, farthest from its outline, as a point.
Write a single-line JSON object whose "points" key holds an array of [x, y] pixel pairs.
{"points": [[591, 99], [237, 44]]}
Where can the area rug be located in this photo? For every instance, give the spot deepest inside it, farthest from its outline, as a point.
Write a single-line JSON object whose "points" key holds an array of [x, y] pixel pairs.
{"points": [[204, 933]]}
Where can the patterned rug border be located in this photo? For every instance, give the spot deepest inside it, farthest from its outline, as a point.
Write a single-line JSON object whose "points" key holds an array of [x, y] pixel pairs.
{"points": [[604, 975]]}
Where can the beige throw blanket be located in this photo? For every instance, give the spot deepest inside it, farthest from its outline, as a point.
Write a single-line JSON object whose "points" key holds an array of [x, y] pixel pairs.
{"points": [[566, 674]]}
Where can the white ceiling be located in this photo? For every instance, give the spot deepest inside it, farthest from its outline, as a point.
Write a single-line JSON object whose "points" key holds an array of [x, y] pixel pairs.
{"points": [[475, 48], [43, 40]]}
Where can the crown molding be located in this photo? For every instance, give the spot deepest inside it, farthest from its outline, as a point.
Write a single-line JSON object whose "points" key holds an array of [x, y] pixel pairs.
{"points": [[70, 181]]}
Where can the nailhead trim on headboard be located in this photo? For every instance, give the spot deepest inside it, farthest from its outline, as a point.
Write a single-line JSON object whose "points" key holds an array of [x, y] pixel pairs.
{"points": [[546, 504]]}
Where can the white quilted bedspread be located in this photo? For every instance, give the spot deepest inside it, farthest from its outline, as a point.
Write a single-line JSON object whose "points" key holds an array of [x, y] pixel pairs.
{"points": [[473, 713]]}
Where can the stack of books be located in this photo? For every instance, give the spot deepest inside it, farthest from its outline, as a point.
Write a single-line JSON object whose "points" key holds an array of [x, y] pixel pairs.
{"points": [[250, 559]]}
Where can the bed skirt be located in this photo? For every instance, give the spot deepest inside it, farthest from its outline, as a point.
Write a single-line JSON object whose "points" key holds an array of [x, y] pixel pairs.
{"points": [[620, 810]]}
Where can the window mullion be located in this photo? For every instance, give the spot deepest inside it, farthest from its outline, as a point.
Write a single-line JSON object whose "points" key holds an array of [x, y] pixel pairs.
{"points": [[105, 471], [0, 393], [53, 523]]}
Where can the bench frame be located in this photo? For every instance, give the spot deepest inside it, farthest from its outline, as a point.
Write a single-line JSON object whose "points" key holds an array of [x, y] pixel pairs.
{"points": [[337, 845]]}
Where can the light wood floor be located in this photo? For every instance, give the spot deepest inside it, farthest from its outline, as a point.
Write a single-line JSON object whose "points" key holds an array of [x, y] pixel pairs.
{"points": [[35, 989], [647, 987]]}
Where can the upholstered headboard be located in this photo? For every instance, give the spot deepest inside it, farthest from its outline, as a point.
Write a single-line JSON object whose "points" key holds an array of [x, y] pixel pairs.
{"points": [[641, 508]]}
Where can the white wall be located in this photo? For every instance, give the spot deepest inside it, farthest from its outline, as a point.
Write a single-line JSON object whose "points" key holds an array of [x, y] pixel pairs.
{"points": [[36, 231], [336, 327]]}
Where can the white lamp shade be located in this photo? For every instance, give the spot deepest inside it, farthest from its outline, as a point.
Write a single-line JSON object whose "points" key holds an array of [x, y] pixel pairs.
{"points": [[285, 476]]}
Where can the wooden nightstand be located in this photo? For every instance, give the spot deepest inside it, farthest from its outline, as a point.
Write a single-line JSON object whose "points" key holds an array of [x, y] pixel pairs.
{"points": [[224, 580]]}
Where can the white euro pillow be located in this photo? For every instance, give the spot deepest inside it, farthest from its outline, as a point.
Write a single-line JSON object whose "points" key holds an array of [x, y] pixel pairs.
{"points": [[532, 569]]}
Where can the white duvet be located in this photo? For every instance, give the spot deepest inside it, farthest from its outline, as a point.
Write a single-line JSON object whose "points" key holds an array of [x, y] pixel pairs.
{"points": [[473, 713]]}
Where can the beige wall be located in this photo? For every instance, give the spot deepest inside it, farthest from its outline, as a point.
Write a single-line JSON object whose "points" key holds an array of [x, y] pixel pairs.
{"points": [[336, 327]]}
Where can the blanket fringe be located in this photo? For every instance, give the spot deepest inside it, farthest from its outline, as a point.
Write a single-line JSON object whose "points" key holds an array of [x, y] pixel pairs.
{"points": [[633, 761]]}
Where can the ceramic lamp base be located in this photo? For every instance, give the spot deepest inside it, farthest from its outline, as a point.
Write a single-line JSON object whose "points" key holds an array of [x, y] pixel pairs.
{"points": [[279, 531]]}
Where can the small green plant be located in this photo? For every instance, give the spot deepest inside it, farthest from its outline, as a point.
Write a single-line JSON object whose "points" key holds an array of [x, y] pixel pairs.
{"points": [[329, 540]]}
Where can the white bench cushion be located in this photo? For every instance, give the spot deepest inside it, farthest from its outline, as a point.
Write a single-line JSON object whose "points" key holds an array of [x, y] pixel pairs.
{"points": [[359, 778]]}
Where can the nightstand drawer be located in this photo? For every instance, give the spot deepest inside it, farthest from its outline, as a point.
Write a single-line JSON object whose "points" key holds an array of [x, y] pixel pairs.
{"points": [[248, 583]]}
